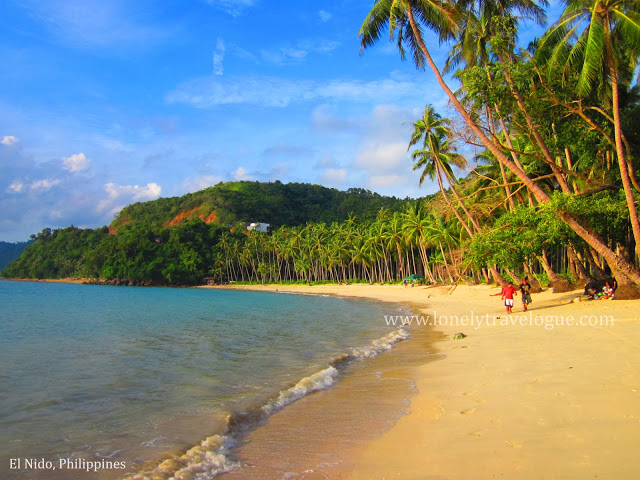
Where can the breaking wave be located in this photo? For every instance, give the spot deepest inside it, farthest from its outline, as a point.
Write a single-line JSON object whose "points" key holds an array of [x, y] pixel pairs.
{"points": [[212, 456]]}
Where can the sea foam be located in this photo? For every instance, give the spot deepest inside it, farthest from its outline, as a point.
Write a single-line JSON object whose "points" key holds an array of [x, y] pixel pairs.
{"points": [[325, 378], [380, 345], [211, 457], [201, 462], [318, 381]]}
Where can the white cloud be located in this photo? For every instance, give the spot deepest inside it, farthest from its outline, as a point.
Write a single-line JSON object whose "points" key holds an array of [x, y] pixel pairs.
{"points": [[334, 176], [241, 174], [382, 156], [384, 181], [324, 15], [356, 90], [148, 192], [43, 185], [211, 91], [76, 162], [16, 187], [383, 148], [201, 182], [218, 58], [9, 140], [119, 196]]}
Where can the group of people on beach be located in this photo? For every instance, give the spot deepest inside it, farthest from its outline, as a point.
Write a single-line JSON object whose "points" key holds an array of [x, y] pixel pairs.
{"points": [[607, 293], [509, 291]]}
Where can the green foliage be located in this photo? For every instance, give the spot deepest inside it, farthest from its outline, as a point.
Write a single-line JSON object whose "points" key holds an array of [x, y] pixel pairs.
{"points": [[519, 236], [56, 254], [605, 213], [180, 255], [146, 251], [275, 203]]}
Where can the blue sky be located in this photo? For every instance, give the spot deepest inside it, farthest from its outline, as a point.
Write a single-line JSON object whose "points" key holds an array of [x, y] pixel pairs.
{"points": [[109, 102]]}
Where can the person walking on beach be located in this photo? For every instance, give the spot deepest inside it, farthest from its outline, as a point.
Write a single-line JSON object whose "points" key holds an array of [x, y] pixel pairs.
{"points": [[525, 290], [507, 295]]}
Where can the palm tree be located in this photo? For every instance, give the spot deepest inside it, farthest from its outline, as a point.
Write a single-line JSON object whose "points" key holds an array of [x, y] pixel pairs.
{"points": [[444, 233], [436, 157], [404, 19], [395, 239], [473, 50], [478, 19], [416, 230], [599, 39]]}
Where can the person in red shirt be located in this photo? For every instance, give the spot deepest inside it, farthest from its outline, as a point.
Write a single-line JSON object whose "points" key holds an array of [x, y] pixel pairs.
{"points": [[507, 295]]}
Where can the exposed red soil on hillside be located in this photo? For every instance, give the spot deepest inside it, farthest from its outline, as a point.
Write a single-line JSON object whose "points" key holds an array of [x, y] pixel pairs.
{"points": [[197, 212], [212, 218]]}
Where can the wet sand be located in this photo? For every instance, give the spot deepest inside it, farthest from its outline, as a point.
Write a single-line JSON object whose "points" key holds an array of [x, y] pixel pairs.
{"points": [[532, 397]]}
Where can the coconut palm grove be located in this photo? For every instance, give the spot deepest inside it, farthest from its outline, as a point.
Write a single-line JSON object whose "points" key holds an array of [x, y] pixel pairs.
{"points": [[550, 191]]}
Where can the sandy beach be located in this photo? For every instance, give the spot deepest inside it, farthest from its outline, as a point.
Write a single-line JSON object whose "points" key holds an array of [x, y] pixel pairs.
{"points": [[553, 394]]}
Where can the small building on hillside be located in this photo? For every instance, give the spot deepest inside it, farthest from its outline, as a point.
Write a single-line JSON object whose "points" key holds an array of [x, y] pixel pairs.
{"points": [[259, 227]]}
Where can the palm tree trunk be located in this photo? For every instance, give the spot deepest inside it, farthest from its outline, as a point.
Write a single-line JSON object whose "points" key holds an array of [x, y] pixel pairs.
{"points": [[516, 279], [425, 261], [413, 258], [400, 262], [626, 274], [582, 273], [485, 275], [622, 160], [558, 283], [535, 283], [446, 265], [497, 277], [512, 205], [567, 154], [562, 181], [448, 202], [592, 260]]}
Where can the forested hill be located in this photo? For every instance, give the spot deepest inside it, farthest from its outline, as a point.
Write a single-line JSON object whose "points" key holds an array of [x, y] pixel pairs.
{"points": [[274, 203], [181, 240]]}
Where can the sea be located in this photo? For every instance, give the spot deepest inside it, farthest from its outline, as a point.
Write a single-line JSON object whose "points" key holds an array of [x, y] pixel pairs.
{"points": [[102, 382]]}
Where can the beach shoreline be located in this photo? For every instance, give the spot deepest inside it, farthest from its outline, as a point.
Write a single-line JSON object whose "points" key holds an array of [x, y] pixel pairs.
{"points": [[536, 395], [526, 396]]}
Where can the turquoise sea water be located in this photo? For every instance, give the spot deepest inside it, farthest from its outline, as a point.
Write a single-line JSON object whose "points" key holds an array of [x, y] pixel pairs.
{"points": [[134, 374]]}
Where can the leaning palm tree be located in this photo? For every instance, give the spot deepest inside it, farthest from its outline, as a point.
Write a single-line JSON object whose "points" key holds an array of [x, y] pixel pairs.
{"points": [[405, 20], [480, 19], [599, 40]]}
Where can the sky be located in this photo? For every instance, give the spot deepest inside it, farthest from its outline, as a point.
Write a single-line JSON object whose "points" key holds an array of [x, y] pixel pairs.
{"points": [[104, 103]]}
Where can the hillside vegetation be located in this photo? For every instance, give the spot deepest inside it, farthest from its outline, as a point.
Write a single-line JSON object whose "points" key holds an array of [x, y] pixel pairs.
{"points": [[181, 240], [274, 203]]}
